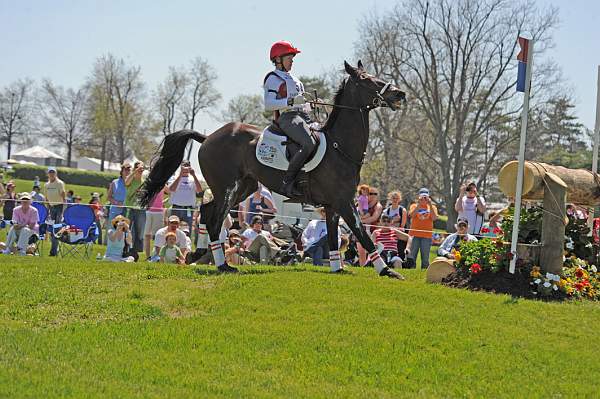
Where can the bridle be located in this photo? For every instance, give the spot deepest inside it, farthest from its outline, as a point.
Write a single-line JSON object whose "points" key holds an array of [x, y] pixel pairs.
{"points": [[378, 101]]}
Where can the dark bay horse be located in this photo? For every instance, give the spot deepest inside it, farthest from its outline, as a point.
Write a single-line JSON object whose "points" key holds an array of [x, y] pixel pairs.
{"points": [[229, 165]]}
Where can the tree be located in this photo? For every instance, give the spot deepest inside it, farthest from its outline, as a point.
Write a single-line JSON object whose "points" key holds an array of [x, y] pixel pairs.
{"points": [[15, 110], [245, 108], [456, 60], [168, 99], [61, 115], [116, 105], [201, 93]]}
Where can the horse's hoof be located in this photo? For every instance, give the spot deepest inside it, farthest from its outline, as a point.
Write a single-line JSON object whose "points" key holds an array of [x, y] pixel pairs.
{"points": [[225, 268], [391, 274], [193, 257]]}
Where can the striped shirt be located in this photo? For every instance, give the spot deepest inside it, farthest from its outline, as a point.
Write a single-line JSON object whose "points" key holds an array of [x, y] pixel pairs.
{"points": [[387, 237]]}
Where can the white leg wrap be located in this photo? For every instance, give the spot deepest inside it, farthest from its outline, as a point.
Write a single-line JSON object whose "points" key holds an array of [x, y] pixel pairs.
{"points": [[217, 251], [378, 263], [202, 236], [335, 261]]}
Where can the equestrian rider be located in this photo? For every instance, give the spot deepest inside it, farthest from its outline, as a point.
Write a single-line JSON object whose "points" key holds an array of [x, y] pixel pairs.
{"points": [[284, 95]]}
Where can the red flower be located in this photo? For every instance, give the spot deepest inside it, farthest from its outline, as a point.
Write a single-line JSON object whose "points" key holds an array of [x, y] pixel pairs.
{"points": [[579, 272], [485, 230], [498, 231], [578, 286], [585, 283], [475, 268]]}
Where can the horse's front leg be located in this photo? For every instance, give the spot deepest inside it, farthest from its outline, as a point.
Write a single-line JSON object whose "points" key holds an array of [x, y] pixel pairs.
{"points": [[333, 219], [350, 215]]}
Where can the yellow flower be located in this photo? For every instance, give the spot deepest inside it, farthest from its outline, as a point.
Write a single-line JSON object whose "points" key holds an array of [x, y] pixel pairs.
{"points": [[457, 256]]}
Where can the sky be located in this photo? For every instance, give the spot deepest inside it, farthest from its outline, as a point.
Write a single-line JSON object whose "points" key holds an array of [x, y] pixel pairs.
{"points": [[61, 39]]}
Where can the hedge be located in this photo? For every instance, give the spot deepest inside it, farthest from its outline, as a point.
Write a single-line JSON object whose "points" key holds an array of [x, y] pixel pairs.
{"points": [[68, 175]]}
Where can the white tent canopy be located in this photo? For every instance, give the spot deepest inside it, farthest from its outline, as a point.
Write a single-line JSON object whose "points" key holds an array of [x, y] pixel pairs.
{"points": [[37, 152]]}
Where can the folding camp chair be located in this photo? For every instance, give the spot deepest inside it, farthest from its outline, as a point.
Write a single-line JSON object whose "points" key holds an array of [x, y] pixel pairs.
{"points": [[40, 238], [81, 217]]}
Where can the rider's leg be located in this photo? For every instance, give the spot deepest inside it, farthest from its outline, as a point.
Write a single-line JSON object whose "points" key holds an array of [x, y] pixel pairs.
{"points": [[295, 127]]}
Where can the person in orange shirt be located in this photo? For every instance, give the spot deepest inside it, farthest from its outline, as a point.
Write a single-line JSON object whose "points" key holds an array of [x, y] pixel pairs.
{"points": [[422, 215]]}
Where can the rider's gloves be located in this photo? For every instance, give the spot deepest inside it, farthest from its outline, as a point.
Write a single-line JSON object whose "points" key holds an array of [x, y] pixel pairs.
{"points": [[298, 100]]}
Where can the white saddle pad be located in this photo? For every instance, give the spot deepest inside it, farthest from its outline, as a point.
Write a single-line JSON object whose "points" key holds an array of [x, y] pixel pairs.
{"points": [[271, 152]]}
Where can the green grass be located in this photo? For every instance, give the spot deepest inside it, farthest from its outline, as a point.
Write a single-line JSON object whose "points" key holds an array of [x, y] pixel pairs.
{"points": [[93, 329], [84, 191]]}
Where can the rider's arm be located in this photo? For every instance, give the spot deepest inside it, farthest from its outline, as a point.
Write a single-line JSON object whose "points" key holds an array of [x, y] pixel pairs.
{"points": [[272, 103]]}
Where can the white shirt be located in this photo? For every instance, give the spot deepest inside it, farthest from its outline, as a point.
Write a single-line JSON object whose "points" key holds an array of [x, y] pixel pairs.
{"points": [[279, 87], [185, 194], [314, 231], [182, 240], [250, 235], [469, 212]]}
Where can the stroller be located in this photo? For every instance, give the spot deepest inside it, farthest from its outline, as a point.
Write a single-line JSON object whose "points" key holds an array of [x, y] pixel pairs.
{"points": [[288, 237]]}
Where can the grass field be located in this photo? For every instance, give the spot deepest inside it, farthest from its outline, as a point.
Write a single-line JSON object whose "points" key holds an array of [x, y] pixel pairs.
{"points": [[92, 329]]}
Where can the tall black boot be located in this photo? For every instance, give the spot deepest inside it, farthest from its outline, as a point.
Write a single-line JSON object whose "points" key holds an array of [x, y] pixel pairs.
{"points": [[289, 178]]}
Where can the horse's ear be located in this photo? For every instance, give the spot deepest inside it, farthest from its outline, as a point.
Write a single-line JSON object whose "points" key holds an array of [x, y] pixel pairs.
{"points": [[360, 66], [350, 69]]}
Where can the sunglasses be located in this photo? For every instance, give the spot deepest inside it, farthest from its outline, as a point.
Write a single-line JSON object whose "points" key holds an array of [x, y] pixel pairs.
{"points": [[373, 193]]}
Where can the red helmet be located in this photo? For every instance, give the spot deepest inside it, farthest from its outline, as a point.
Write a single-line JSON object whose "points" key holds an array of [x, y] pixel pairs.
{"points": [[282, 48]]}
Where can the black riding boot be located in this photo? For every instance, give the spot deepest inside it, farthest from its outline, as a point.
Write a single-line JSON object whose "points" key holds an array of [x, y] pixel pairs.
{"points": [[296, 163]]}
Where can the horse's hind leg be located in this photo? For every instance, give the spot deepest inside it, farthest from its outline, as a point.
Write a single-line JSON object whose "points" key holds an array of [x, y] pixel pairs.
{"points": [[223, 201]]}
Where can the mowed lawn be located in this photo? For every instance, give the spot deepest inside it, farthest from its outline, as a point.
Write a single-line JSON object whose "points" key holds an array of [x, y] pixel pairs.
{"points": [[71, 328]]}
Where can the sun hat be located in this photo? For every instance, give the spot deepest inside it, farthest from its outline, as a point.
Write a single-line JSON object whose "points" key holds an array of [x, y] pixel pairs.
{"points": [[173, 218], [119, 218], [25, 196], [460, 221]]}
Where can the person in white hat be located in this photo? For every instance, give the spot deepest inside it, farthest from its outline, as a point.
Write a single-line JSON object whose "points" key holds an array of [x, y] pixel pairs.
{"points": [[24, 225], [182, 240]]}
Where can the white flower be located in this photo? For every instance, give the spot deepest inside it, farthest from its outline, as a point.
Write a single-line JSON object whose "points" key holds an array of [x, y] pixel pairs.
{"points": [[534, 292], [549, 276], [547, 284], [555, 287], [594, 269], [556, 277], [569, 245], [537, 281]]}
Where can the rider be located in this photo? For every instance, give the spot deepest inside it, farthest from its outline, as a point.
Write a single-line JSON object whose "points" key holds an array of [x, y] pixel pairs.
{"points": [[284, 95]]}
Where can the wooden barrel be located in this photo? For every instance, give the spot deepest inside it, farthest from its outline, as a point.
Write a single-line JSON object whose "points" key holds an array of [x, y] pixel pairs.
{"points": [[440, 268]]}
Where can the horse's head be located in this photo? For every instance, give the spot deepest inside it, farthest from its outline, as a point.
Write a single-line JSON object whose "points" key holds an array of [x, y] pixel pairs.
{"points": [[374, 91]]}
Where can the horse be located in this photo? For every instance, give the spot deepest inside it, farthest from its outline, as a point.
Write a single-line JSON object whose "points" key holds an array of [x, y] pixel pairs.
{"points": [[229, 165]]}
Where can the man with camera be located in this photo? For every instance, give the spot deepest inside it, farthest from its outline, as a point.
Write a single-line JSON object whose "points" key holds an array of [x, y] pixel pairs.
{"points": [[471, 207], [133, 182], [183, 193]]}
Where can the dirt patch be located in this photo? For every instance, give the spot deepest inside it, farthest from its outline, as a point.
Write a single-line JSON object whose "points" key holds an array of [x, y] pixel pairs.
{"points": [[502, 282]]}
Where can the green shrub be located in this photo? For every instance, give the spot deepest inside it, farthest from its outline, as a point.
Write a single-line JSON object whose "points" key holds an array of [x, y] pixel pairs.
{"points": [[68, 175]]}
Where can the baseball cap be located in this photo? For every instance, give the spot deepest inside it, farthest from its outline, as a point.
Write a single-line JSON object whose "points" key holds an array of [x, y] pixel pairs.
{"points": [[25, 196], [173, 218], [423, 192], [51, 169], [462, 221]]}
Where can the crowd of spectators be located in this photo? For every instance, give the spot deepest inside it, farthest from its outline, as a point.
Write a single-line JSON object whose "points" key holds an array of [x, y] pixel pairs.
{"points": [[169, 229]]}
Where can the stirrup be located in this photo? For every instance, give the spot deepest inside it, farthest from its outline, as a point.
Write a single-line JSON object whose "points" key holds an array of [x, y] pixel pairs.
{"points": [[289, 189]]}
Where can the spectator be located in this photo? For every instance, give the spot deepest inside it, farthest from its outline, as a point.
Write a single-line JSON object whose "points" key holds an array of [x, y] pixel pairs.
{"points": [[259, 242], [314, 239], [234, 249], [36, 195], [155, 218], [98, 214], [370, 219], [398, 216], [470, 206], [172, 226], [363, 199], [183, 191], [70, 198], [9, 200], [133, 181], [387, 238], [117, 192], [25, 224], [492, 228], [422, 214], [259, 204], [77, 199], [118, 235], [55, 194], [170, 252], [453, 241], [575, 212]]}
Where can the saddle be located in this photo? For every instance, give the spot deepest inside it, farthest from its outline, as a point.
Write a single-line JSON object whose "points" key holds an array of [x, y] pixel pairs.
{"points": [[275, 149]]}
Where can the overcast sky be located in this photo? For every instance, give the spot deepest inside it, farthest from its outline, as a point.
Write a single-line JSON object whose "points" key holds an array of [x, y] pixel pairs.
{"points": [[60, 40]]}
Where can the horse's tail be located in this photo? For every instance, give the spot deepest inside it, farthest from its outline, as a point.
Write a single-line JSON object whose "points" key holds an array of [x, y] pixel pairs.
{"points": [[167, 159]]}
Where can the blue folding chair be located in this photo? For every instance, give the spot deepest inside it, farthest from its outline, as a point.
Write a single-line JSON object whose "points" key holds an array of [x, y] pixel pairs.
{"points": [[41, 237], [82, 217]]}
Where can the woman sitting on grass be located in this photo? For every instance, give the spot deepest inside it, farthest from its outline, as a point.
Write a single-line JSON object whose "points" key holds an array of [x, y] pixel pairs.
{"points": [[118, 235], [170, 252]]}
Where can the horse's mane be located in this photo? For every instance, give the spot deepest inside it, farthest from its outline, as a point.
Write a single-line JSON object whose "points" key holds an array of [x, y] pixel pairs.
{"points": [[337, 98]]}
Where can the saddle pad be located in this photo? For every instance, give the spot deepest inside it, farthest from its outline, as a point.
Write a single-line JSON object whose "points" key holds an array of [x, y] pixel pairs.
{"points": [[270, 151]]}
